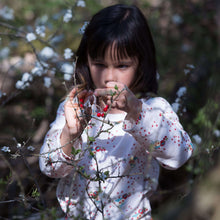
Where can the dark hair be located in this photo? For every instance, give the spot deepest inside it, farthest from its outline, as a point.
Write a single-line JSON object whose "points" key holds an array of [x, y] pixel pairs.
{"points": [[126, 28]]}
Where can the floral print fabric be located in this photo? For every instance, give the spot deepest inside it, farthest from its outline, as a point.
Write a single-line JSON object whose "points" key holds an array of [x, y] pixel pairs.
{"points": [[126, 160]]}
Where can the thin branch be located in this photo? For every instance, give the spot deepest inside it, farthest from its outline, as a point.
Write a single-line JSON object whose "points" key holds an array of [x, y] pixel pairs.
{"points": [[16, 177]]}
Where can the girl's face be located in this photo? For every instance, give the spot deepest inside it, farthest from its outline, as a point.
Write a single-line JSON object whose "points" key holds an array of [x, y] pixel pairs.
{"points": [[107, 69]]}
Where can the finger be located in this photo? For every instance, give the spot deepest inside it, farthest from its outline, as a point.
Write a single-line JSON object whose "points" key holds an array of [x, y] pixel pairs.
{"points": [[88, 98], [115, 85], [102, 101], [111, 103], [70, 96], [105, 92], [80, 94], [83, 94]]}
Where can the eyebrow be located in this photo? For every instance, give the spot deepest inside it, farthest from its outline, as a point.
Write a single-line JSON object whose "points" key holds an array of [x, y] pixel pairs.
{"points": [[129, 61]]}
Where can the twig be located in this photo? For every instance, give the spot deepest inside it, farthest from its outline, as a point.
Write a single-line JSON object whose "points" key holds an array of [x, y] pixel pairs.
{"points": [[35, 181], [17, 178]]}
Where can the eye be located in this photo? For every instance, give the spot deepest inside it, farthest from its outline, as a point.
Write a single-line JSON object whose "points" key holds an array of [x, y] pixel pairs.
{"points": [[123, 66], [100, 65]]}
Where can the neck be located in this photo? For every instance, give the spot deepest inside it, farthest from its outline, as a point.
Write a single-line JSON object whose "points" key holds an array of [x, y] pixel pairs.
{"points": [[116, 111]]}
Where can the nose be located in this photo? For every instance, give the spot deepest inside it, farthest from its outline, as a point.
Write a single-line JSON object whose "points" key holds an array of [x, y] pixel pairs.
{"points": [[110, 75]]}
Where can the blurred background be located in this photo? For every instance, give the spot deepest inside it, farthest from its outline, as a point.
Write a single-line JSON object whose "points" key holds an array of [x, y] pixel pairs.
{"points": [[37, 42]]}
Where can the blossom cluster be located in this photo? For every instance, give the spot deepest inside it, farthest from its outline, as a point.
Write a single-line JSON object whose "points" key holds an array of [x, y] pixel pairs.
{"points": [[31, 37], [7, 13], [182, 91], [43, 67], [68, 15], [7, 149], [48, 61], [83, 28]]}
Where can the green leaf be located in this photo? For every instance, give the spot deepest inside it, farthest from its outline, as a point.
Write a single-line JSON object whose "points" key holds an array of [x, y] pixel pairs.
{"points": [[75, 152], [106, 173], [81, 168], [91, 139], [92, 154], [35, 193], [112, 93], [116, 87]]}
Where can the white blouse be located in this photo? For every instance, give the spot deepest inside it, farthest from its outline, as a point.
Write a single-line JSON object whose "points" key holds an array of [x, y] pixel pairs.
{"points": [[114, 175]]}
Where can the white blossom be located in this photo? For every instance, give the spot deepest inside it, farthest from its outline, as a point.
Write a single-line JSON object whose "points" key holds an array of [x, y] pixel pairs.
{"points": [[67, 76], [53, 71], [191, 66], [68, 53], [176, 106], [186, 71], [177, 100], [7, 13], [47, 53], [207, 151], [81, 3], [197, 138], [186, 47], [21, 84], [184, 109], [6, 149], [42, 20], [37, 70], [67, 17], [67, 68], [47, 82], [30, 37], [24, 82], [40, 30], [177, 19], [2, 94], [31, 148], [158, 76], [181, 91], [83, 28], [27, 77], [216, 133], [21, 195], [18, 145], [4, 52]]}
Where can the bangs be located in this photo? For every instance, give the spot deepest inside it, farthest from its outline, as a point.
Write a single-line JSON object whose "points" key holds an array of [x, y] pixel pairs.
{"points": [[120, 48]]}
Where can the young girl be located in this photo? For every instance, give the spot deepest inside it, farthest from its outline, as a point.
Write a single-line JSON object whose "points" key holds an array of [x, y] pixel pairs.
{"points": [[106, 144]]}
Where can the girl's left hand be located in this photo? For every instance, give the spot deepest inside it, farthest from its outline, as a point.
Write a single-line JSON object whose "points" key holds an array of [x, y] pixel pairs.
{"points": [[119, 96]]}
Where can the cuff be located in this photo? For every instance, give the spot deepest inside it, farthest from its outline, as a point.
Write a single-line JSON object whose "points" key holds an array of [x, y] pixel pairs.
{"points": [[77, 145]]}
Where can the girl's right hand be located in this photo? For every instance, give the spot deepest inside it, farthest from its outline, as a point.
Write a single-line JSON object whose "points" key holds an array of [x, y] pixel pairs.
{"points": [[75, 122]]}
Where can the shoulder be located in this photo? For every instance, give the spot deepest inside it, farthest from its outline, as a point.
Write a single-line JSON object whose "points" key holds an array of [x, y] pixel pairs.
{"points": [[60, 109], [156, 102], [160, 106]]}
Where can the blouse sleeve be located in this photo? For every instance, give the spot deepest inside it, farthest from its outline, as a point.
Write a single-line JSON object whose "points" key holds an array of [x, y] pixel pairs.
{"points": [[158, 130], [53, 161]]}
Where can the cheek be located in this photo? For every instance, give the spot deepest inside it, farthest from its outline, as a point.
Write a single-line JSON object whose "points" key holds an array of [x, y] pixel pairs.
{"points": [[96, 78], [130, 79]]}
